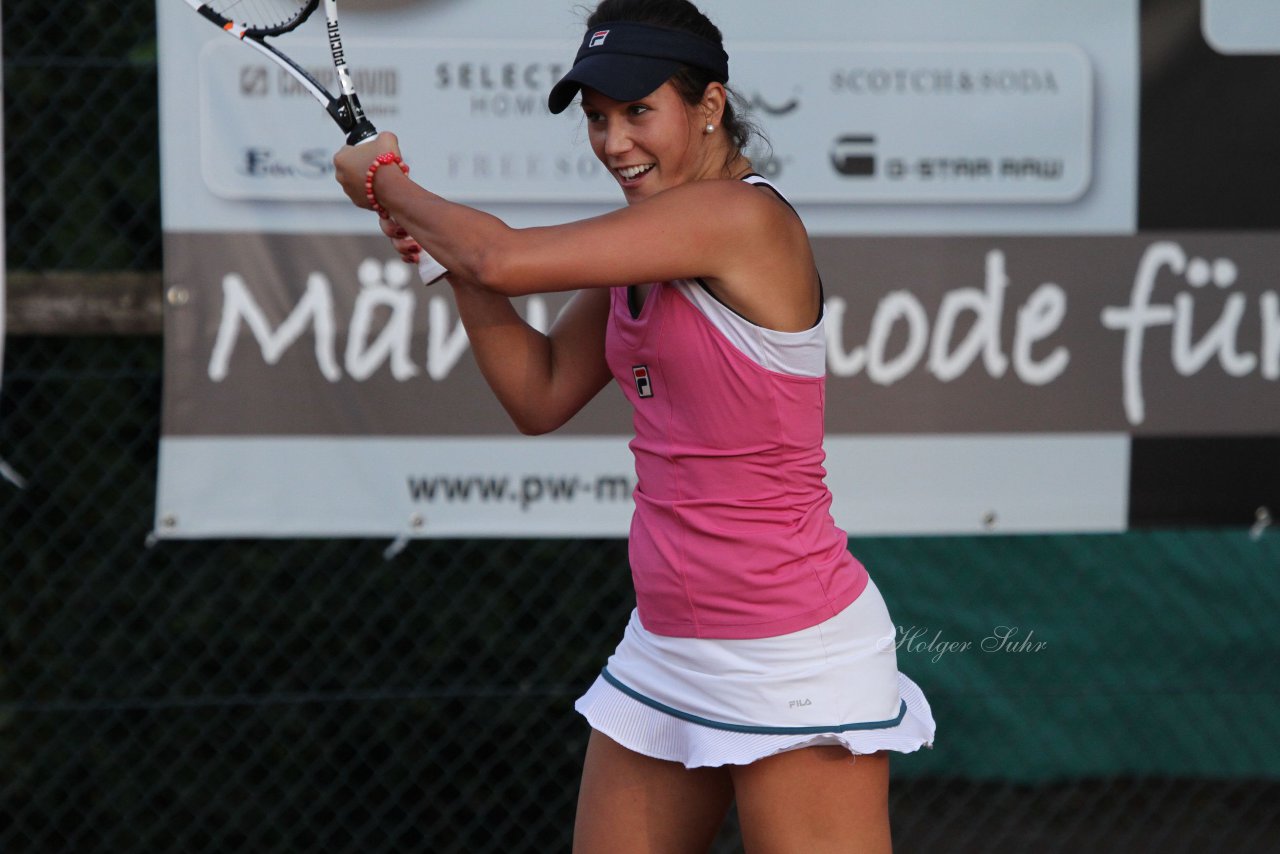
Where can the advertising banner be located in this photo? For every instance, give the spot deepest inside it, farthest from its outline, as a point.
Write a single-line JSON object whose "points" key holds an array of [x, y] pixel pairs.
{"points": [[1000, 328], [900, 123]]}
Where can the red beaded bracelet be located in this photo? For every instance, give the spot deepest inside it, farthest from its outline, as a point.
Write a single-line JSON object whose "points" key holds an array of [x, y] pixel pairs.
{"points": [[383, 159]]}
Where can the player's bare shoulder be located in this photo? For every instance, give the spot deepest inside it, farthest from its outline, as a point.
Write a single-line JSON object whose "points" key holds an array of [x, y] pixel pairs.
{"points": [[739, 211]]}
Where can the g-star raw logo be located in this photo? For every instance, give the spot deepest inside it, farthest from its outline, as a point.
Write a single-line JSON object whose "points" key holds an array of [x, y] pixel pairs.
{"points": [[597, 38], [854, 155], [643, 386]]}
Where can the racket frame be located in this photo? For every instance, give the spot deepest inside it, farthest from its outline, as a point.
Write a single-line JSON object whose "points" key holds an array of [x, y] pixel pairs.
{"points": [[344, 108]]}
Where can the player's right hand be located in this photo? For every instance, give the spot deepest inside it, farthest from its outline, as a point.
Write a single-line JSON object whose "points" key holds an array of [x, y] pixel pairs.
{"points": [[351, 165]]}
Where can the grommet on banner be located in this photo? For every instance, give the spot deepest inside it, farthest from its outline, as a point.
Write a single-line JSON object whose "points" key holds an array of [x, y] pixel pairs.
{"points": [[168, 522]]}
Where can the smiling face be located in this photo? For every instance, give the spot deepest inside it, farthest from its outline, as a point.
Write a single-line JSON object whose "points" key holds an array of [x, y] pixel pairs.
{"points": [[655, 143]]}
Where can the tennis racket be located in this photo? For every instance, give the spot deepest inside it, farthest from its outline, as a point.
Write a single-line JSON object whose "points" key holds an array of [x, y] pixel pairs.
{"points": [[254, 21]]}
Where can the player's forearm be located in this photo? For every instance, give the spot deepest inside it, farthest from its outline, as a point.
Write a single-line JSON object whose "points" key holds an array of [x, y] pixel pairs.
{"points": [[461, 238], [514, 358]]}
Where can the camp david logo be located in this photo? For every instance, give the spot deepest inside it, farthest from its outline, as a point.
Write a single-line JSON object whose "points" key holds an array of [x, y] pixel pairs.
{"points": [[254, 81], [597, 38], [643, 385]]}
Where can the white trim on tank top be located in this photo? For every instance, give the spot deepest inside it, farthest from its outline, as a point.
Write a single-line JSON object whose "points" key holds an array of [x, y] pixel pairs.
{"points": [[802, 354]]}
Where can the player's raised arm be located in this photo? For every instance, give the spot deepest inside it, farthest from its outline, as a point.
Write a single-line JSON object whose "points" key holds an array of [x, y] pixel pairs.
{"points": [[541, 380]]}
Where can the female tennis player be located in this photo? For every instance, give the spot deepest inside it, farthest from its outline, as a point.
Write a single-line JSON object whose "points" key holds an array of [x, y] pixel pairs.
{"points": [[759, 664]]}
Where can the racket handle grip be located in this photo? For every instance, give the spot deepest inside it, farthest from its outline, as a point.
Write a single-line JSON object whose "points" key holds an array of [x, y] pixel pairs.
{"points": [[430, 269], [362, 132]]}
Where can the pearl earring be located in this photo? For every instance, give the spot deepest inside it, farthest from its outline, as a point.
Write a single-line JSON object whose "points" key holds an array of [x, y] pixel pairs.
{"points": [[711, 128]]}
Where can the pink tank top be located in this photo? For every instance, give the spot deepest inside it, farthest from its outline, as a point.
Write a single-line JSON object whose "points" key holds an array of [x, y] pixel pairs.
{"points": [[732, 535]]}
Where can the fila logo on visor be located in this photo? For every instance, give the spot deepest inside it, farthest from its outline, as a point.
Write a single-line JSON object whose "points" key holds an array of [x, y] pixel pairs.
{"points": [[643, 386], [597, 38]]}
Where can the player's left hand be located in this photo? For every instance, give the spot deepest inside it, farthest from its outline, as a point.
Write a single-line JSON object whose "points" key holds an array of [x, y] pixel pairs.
{"points": [[351, 165], [408, 248]]}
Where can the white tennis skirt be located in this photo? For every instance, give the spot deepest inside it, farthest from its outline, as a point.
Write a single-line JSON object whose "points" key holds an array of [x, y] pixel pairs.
{"points": [[711, 702]]}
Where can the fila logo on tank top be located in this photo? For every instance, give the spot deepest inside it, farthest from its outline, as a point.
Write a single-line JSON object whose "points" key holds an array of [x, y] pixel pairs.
{"points": [[644, 386]]}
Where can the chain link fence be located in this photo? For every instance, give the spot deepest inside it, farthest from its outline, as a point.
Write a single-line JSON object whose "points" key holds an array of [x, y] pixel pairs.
{"points": [[81, 126], [287, 696]]}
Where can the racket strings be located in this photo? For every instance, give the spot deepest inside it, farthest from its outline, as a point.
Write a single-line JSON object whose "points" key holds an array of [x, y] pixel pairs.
{"points": [[263, 14]]}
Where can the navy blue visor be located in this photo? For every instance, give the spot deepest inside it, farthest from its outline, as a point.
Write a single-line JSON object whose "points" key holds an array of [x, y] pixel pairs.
{"points": [[627, 61]]}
